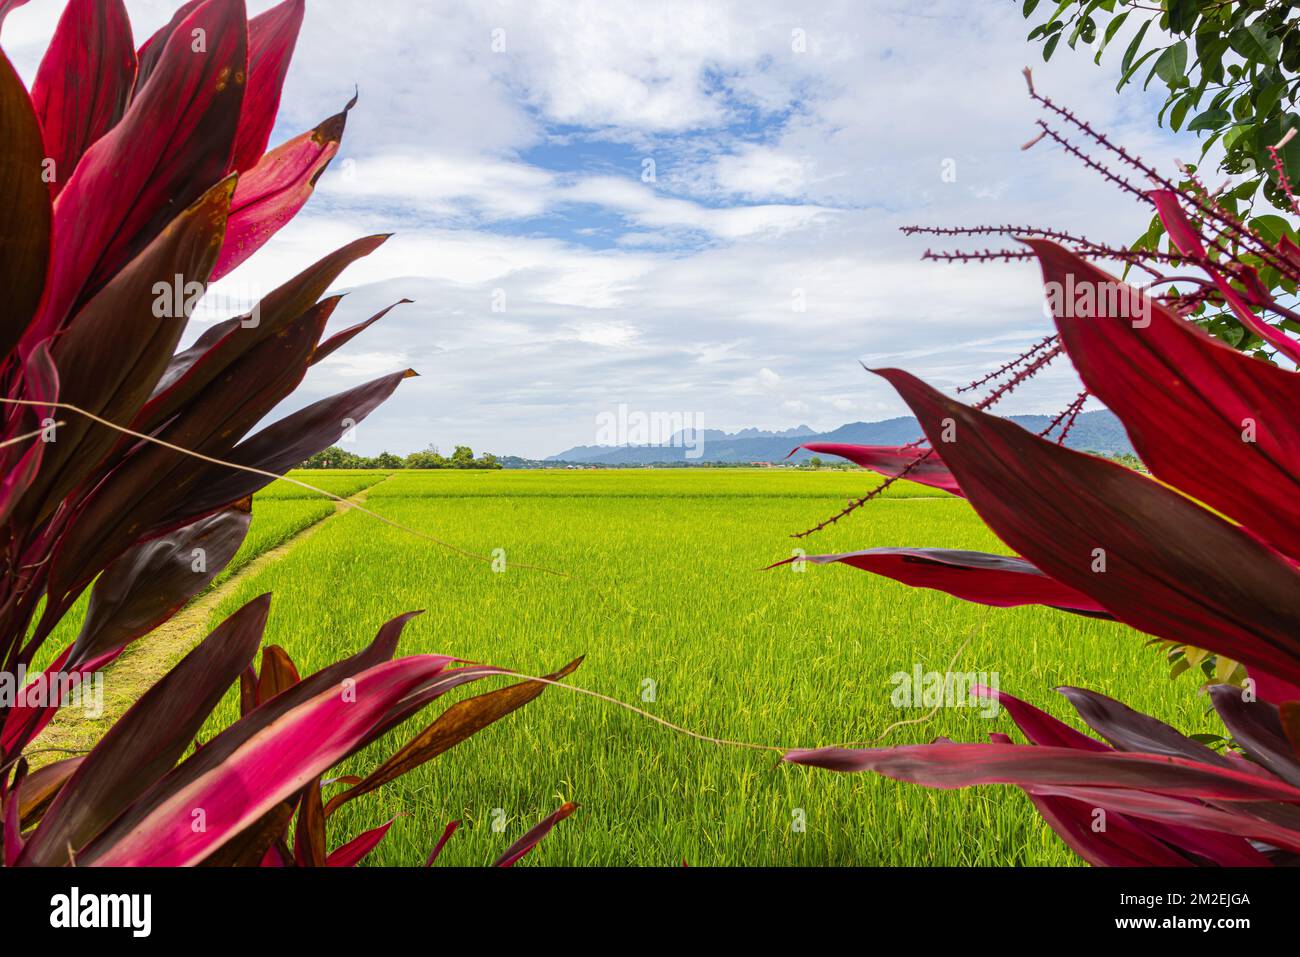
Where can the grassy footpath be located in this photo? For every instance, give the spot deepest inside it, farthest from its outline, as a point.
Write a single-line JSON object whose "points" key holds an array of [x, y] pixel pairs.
{"points": [[670, 597]]}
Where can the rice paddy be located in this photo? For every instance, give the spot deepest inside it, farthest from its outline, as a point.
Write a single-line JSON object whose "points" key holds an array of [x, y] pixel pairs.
{"points": [[666, 598]]}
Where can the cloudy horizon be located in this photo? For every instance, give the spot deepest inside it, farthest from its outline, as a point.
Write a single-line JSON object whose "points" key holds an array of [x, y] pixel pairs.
{"points": [[674, 208]]}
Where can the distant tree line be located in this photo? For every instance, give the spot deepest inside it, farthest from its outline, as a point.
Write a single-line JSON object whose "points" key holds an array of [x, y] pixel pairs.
{"points": [[430, 458]]}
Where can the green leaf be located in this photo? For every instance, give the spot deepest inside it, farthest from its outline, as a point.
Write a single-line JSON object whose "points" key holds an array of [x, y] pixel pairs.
{"points": [[1172, 64], [1134, 68], [1050, 46], [1132, 50], [1271, 227], [1182, 15], [1209, 120], [1253, 43], [1179, 113]]}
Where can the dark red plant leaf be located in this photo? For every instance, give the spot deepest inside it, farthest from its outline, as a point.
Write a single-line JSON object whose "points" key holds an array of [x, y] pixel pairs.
{"points": [[213, 755], [309, 848], [892, 461], [172, 145], [271, 192], [1172, 568], [534, 836], [999, 580], [340, 339], [1129, 730], [26, 224], [447, 832], [252, 846], [355, 850], [12, 811], [152, 581], [151, 51], [22, 460], [1039, 726], [1185, 814], [147, 741], [1257, 727], [949, 765], [84, 81], [154, 490], [218, 348], [42, 785], [278, 673], [1121, 842], [271, 39], [118, 345], [285, 755], [1289, 714], [1168, 380]]}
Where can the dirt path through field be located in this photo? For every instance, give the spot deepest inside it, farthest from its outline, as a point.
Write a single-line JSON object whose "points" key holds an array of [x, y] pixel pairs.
{"points": [[151, 657]]}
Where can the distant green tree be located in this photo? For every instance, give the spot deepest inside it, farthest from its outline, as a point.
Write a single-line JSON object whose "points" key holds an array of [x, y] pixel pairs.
{"points": [[427, 459], [489, 461], [387, 460], [335, 458], [462, 458]]}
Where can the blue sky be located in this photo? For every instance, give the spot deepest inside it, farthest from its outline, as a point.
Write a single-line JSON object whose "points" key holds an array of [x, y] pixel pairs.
{"points": [[508, 144]]}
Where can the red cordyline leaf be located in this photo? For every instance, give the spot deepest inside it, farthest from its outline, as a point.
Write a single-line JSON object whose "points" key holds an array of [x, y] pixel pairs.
{"points": [[447, 832], [1121, 843], [151, 50], [283, 757], [174, 142], [149, 739], [116, 347], [1171, 568], [22, 461], [1167, 380], [12, 812], [1039, 726], [84, 81], [340, 339], [922, 466], [355, 850], [271, 39], [271, 192], [152, 581], [25, 226], [949, 765], [1257, 727], [999, 580], [534, 836]]}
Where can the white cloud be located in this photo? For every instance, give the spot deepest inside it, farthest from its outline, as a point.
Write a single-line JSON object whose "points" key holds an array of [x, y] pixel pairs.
{"points": [[748, 282]]}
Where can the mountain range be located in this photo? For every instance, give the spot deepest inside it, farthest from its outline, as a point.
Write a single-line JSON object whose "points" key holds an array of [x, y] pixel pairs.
{"points": [[1097, 431]]}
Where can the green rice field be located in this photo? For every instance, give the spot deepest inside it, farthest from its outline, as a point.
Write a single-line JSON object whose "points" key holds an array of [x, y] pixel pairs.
{"points": [[668, 601]]}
